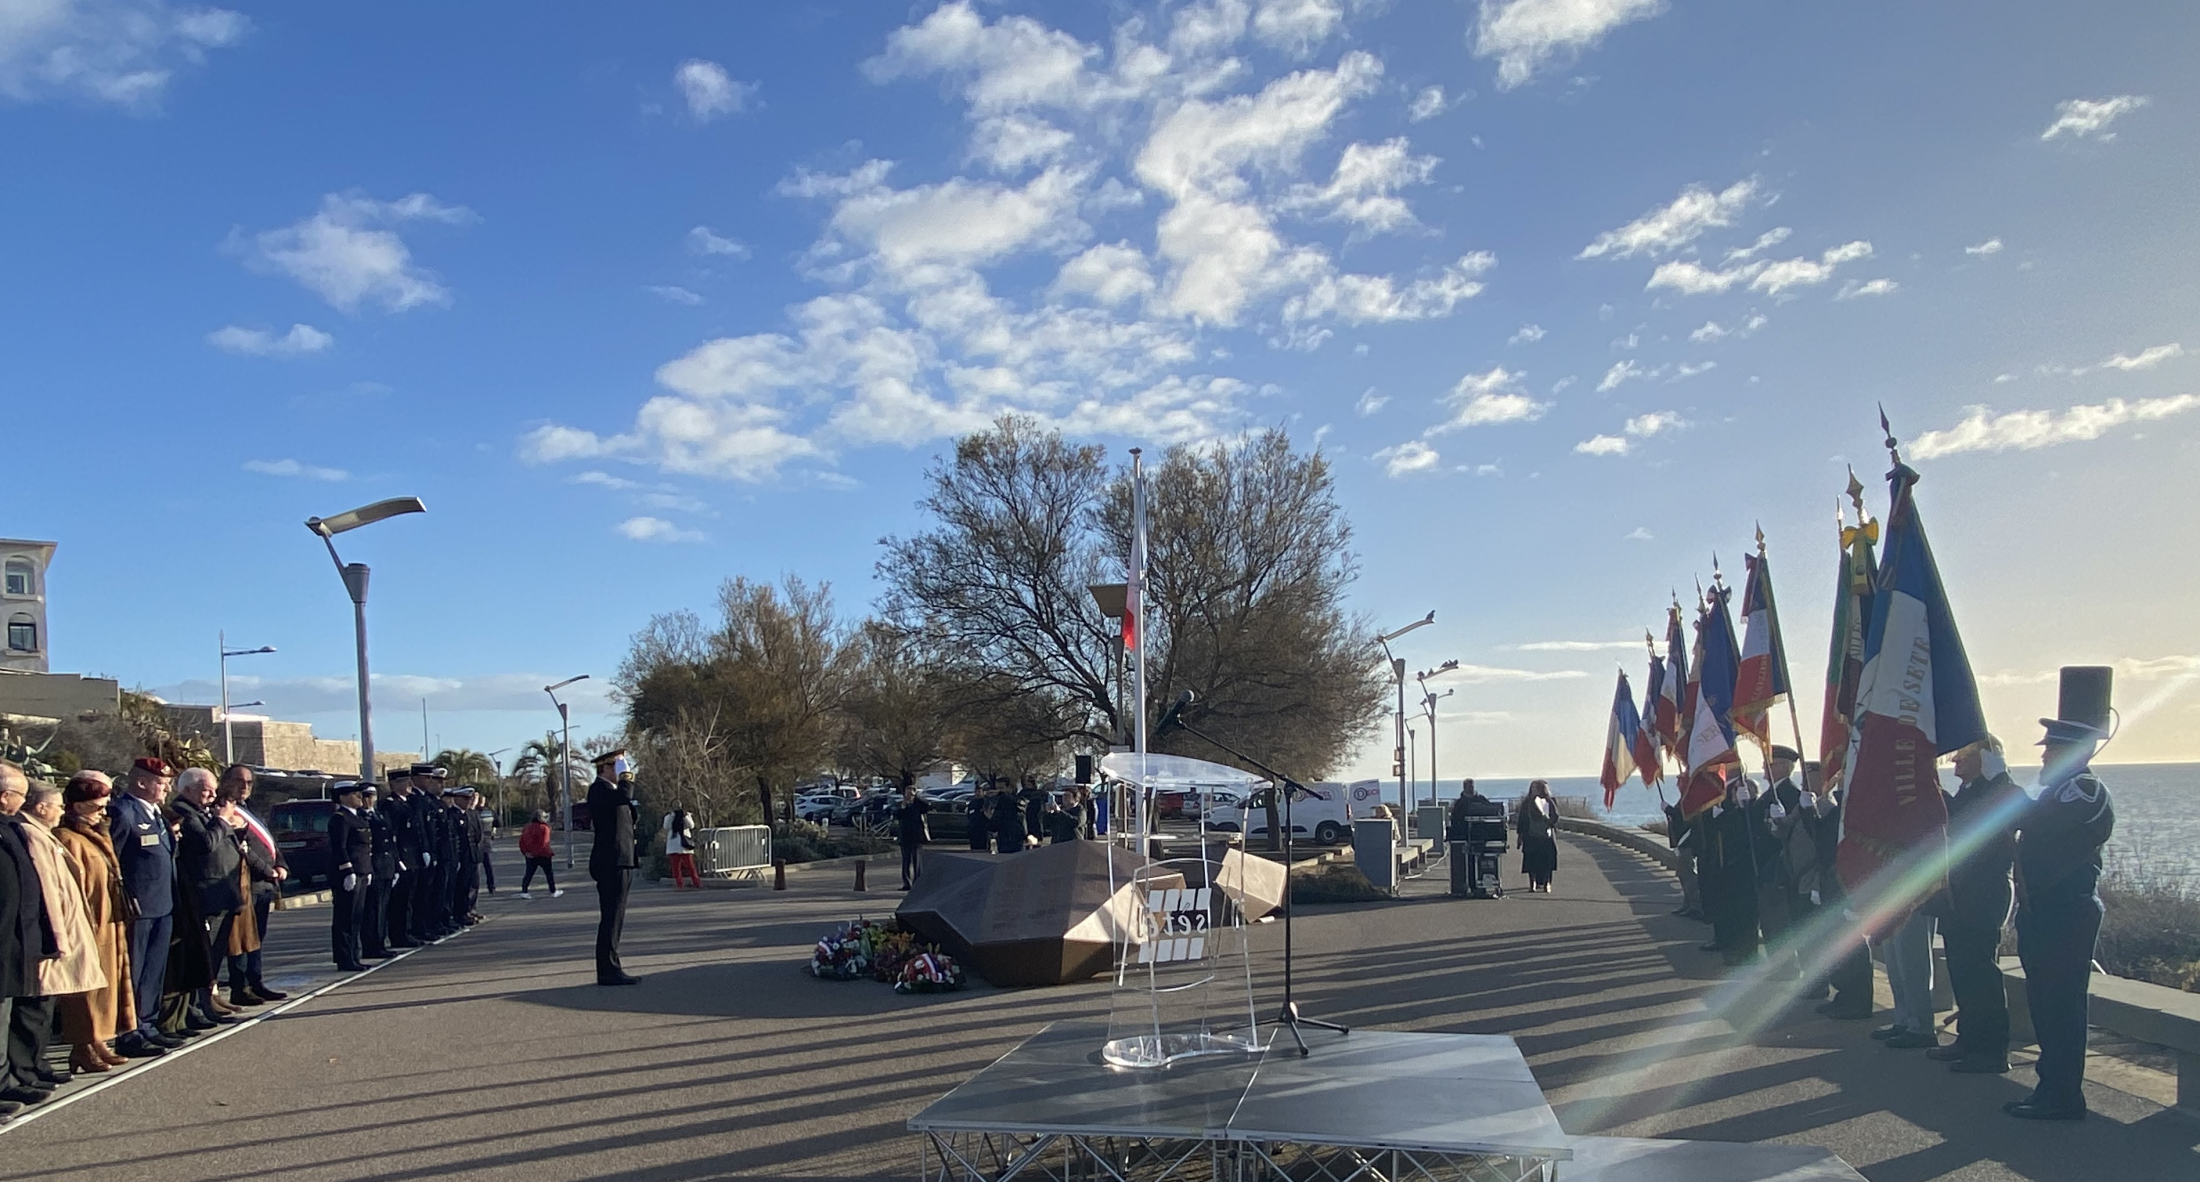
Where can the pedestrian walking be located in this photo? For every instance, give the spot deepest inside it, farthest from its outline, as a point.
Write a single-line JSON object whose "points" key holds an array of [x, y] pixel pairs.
{"points": [[611, 860], [95, 1017], [146, 849], [911, 831], [1982, 833], [1537, 823], [2058, 867], [534, 846], [351, 871], [679, 827]]}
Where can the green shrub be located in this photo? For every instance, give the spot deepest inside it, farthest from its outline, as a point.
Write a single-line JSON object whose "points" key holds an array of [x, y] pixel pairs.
{"points": [[807, 841], [2150, 928]]}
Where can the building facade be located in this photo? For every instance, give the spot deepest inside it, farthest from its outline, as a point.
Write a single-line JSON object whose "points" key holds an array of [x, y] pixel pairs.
{"points": [[23, 604]]}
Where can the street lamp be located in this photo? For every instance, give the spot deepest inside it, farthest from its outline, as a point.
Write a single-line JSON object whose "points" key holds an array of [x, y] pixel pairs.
{"points": [[498, 767], [1112, 599], [229, 742], [1429, 700], [355, 583], [565, 759], [1411, 743], [1398, 717]]}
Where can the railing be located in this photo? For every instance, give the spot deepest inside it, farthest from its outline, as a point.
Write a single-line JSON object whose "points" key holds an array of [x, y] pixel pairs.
{"points": [[737, 851]]}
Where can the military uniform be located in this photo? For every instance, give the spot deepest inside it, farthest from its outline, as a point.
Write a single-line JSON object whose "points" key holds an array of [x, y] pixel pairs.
{"points": [[351, 870], [1733, 846], [427, 909], [404, 826], [374, 928], [612, 814], [1982, 828]]}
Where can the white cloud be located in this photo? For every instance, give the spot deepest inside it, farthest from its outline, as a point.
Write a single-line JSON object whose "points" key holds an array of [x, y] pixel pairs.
{"points": [[344, 254], [259, 342], [1603, 445], [1765, 241], [1489, 399], [1526, 334], [1990, 246], [2089, 118], [1575, 646], [1364, 189], [1480, 674], [1527, 35], [1689, 277], [1630, 341], [2147, 358], [1370, 402], [1656, 422], [1427, 104], [703, 240], [1773, 278], [1640, 534], [674, 294], [710, 92], [292, 468], [1407, 458], [292, 697], [1713, 331], [1110, 273], [1669, 227], [1688, 369], [1012, 143], [123, 52], [1869, 287], [655, 529], [1621, 371], [2024, 430], [1297, 26], [606, 480]]}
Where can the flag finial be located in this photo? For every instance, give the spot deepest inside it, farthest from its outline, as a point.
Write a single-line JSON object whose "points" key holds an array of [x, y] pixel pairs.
{"points": [[1887, 429], [1856, 492], [1760, 539]]}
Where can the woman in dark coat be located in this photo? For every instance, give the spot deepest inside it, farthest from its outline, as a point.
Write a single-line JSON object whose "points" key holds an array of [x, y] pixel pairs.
{"points": [[1537, 823]]}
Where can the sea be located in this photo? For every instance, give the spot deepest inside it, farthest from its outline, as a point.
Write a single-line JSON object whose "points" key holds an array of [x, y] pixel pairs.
{"points": [[2157, 810]]}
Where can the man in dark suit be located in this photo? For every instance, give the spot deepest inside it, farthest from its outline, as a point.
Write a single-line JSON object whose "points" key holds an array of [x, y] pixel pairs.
{"points": [[29, 939], [612, 814], [1982, 834], [350, 874], [430, 914], [374, 928], [147, 850]]}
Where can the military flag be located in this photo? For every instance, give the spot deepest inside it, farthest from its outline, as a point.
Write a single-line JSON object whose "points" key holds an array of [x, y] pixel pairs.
{"points": [[1852, 611], [1619, 741], [1673, 687], [1916, 700], [1648, 758], [1761, 679], [1711, 722]]}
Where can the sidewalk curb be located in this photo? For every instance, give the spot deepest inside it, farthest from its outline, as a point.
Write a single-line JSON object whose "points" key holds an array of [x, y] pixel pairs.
{"points": [[202, 1042]]}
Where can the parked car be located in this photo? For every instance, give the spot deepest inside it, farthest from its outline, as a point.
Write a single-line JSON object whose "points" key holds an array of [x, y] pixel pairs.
{"points": [[816, 807], [1325, 813], [301, 833]]}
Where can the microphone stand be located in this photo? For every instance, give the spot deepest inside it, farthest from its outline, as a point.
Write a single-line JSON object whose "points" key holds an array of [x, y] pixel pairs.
{"points": [[1290, 1018]]}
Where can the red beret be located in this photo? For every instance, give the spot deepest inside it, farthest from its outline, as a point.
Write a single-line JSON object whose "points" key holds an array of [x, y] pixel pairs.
{"points": [[152, 767]]}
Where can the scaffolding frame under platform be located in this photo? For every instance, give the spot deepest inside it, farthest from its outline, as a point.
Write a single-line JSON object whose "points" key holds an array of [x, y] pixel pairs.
{"points": [[1380, 1106]]}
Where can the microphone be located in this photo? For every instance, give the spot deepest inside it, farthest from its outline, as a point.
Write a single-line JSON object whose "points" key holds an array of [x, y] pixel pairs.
{"points": [[1176, 711]]}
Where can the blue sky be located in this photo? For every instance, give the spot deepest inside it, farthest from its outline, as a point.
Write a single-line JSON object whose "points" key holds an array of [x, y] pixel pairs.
{"points": [[1575, 292]]}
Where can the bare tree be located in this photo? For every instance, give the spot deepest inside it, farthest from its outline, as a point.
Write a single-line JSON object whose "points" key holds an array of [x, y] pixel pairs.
{"points": [[898, 709]]}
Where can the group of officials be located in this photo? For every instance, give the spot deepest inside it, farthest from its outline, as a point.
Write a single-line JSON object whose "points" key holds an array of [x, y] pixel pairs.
{"points": [[1759, 867], [405, 866]]}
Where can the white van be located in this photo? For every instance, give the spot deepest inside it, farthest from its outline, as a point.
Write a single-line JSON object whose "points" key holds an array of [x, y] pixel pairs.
{"points": [[1323, 814]]}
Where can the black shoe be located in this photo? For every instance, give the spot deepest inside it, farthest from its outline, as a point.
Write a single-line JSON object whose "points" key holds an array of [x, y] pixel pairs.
{"points": [[197, 1024], [1981, 1065], [2024, 1110], [1949, 1053], [404, 943], [139, 1049], [620, 979], [53, 1079], [1889, 1031], [351, 968], [265, 994], [8, 1108], [167, 1041], [1910, 1040], [1711, 947], [245, 998], [17, 1093]]}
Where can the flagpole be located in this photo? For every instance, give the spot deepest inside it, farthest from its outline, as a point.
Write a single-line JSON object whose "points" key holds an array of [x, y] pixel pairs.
{"points": [[1779, 645], [1137, 573]]}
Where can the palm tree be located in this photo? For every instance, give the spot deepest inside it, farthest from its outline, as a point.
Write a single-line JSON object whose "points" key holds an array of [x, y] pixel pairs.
{"points": [[540, 760], [467, 766]]}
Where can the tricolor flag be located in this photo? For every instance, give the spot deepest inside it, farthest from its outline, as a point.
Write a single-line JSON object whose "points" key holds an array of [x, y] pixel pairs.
{"points": [[1134, 603], [1916, 701], [1619, 741], [1647, 753], [1711, 723], [1666, 716], [1763, 677], [1852, 611]]}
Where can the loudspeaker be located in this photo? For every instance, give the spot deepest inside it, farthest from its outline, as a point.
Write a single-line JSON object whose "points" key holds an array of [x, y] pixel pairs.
{"points": [[2085, 695], [1084, 769]]}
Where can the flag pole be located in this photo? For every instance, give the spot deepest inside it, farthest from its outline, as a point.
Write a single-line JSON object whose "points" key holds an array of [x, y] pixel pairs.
{"points": [[1779, 644], [1147, 823]]}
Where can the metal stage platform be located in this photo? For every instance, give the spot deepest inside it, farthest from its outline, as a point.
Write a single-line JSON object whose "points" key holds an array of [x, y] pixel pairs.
{"points": [[1383, 1106]]}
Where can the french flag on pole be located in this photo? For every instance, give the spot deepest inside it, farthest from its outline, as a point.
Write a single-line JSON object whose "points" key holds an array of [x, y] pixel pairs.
{"points": [[1666, 715], [1619, 741], [1762, 679], [1647, 753], [1711, 729], [1917, 701]]}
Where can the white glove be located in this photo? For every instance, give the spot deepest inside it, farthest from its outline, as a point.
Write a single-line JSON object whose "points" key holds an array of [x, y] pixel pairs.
{"points": [[425, 860], [351, 882]]}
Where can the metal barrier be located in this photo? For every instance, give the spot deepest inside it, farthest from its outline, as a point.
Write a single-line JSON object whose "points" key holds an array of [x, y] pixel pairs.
{"points": [[740, 852]]}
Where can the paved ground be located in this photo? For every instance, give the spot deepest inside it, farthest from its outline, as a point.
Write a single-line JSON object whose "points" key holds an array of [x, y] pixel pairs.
{"points": [[494, 1056]]}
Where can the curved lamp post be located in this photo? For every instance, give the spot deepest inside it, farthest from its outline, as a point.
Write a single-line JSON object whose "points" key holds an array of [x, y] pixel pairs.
{"points": [[355, 583], [565, 759], [229, 741], [1428, 702], [1398, 717]]}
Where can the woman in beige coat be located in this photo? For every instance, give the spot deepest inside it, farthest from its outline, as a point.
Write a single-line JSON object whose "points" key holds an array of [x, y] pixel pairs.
{"points": [[90, 1019]]}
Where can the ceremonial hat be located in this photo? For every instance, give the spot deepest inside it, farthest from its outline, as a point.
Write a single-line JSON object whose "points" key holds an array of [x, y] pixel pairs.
{"points": [[1787, 753], [607, 756], [348, 787], [2064, 731], [2081, 706], [152, 766], [398, 773]]}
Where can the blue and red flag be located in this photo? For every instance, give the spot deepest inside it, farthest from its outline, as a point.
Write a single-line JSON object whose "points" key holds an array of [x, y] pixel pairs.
{"points": [[1648, 760], [1762, 680], [1917, 701], [1711, 725], [1619, 741], [1667, 714]]}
